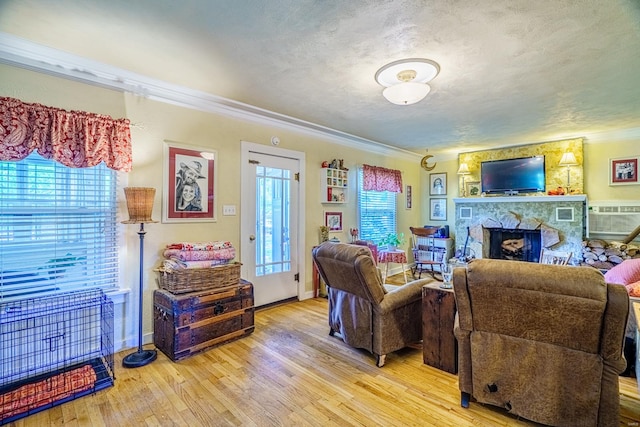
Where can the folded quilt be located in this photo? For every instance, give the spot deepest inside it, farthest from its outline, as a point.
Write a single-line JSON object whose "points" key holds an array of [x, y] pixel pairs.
{"points": [[173, 264], [200, 246], [200, 255]]}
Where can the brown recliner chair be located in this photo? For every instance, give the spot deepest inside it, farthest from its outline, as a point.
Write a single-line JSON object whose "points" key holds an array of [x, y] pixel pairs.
{"points": [[372, 247], [543, 341], [367, 314]]}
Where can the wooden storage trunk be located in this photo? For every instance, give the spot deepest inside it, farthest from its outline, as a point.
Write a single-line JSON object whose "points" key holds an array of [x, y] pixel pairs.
{"points": [[188, 323]]}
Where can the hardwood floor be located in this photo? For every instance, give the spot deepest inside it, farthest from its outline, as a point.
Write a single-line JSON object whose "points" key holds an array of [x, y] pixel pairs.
{"points": [[288, 372]]}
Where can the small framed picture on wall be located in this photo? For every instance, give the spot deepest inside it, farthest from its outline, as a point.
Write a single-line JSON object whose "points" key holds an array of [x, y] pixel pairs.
{"points": [[438, 209], [333, 220], [189, 191], [438, 184], [623, 171], [473, 189]]}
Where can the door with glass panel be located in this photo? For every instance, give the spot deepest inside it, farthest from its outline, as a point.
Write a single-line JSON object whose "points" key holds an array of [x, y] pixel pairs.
{"points": [[269, 227]]}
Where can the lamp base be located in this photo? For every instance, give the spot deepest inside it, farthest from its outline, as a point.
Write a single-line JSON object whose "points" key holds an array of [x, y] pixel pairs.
{"points": [[139, 358]]}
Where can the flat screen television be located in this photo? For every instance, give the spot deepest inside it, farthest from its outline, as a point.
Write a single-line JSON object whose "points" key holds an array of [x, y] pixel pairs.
{"points": [[512, 176]]}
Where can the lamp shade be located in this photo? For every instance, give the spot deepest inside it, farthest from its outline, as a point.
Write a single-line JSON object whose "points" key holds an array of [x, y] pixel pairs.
{"points": [[568, 159], [406, 93], [463, 169], [139, 204]]}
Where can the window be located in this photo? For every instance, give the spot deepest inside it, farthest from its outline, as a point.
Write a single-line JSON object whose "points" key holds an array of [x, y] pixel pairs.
{"points": [[376, 212], [57, 228]]}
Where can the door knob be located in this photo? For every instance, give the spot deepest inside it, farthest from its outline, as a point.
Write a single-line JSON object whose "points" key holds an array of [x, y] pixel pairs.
{"points": [[252, 237]]}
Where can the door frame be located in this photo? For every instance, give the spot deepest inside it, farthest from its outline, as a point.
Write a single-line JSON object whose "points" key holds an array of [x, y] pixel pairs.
{"points": [[251, 147]]}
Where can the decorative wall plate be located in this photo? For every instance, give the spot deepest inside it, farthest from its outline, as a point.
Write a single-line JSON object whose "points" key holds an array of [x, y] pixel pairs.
{"points": [[425, 163]]}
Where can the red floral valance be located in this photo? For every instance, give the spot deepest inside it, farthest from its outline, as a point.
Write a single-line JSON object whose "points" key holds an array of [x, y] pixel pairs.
{"points": [[380, 179], [76, 139]]}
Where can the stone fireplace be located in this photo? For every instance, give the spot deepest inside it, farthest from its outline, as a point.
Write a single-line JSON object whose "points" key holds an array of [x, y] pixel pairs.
{"points": [[518, 227]]}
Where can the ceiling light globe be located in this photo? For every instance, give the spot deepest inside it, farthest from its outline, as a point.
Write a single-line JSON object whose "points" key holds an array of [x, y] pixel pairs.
{"points": [[406, 93]]}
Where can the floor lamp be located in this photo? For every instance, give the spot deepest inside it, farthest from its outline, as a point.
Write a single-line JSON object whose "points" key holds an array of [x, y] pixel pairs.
{"points": [[140, 206]]}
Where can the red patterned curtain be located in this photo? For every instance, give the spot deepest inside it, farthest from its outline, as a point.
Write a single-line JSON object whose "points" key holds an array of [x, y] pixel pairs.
{"points": [[74, 138], [380, 179]]}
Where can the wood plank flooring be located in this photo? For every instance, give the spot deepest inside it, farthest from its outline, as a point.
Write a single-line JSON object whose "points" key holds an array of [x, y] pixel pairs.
{"points": [[289, 372]]}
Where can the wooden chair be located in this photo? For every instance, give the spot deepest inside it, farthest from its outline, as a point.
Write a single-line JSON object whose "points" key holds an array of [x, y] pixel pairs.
{"points": [[424, 251], [554, 257]]}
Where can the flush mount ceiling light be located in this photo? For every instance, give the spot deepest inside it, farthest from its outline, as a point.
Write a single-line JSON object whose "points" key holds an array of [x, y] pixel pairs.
{"points": [[405, 81]]}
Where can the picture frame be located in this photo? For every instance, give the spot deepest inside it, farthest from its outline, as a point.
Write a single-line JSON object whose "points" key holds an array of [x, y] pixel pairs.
{"points": [[438, 209], [623, 171], [473, 189], [466, 212], [408, 197], [333, 220], [438, 184], [189, 183], [565, 214]]}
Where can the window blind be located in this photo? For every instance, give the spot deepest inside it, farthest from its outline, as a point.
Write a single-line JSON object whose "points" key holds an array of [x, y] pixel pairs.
{"points": [[57, 228], [376, 212]]}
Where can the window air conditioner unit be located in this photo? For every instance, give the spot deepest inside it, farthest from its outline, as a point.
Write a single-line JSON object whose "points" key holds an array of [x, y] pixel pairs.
{"points": [[615, 218]]}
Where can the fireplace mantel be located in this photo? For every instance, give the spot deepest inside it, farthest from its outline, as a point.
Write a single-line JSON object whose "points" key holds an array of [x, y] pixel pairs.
{"points": [[519, 199], [565, 214]]}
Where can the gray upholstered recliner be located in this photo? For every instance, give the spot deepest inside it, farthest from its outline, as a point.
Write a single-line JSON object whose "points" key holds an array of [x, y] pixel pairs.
{"points": [[367, 314], [543, 341]]}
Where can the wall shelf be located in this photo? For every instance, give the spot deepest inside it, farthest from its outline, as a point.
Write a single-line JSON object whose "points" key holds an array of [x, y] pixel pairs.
{"points": [[335, 185]]}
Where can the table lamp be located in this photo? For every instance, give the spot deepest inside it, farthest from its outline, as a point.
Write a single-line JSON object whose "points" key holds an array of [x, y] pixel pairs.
{"points": [[463, 170], [568, 160]]}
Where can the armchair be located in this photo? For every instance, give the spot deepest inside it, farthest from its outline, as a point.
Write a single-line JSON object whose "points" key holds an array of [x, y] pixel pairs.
{"points": [[543, 341], [367, 314]]}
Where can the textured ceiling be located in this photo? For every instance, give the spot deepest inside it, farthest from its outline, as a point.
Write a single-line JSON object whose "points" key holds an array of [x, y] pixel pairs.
{"points": [[512, 71]]}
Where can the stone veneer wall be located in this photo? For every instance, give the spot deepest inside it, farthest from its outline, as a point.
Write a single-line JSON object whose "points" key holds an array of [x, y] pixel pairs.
{"points": [[556, 176], [529, 210]]}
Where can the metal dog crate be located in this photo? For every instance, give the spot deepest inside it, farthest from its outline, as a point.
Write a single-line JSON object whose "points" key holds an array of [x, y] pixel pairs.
{"points": [[54, 349]]}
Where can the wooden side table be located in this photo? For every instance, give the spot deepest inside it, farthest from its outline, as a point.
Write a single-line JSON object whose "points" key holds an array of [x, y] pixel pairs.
{"points": [[316, 277], [439, 345], [397, 255]]}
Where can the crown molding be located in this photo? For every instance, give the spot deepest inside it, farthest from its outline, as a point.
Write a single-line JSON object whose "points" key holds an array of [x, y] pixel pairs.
{"points": [[19, 52], [632, 134]]}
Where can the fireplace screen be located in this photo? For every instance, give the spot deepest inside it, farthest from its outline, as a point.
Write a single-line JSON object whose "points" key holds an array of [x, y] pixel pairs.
{"points": [[515, 245]]}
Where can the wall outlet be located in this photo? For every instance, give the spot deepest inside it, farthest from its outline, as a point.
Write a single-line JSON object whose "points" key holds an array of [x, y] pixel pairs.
{"points": [[228, 209]]}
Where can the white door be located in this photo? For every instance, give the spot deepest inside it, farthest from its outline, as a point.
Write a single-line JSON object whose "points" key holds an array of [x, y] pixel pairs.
{"points": [[270, 219]]}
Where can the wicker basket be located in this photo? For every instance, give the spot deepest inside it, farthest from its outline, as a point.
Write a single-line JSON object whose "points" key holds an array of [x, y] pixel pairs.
{"points": [[199, 279]]}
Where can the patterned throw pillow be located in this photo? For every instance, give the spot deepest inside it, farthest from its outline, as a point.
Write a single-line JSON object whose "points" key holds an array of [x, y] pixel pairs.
{"points": [[634, 289]]}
